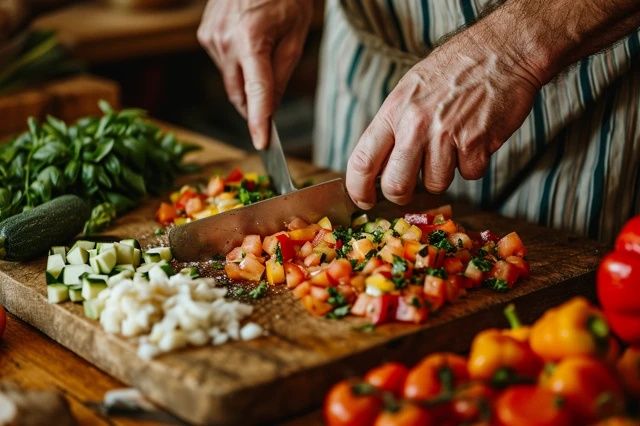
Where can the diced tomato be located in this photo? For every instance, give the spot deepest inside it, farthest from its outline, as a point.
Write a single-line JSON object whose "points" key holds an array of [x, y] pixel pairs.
{"points": [[360, 248], [449, 226], [474, 275], [357, 282], [339, 270], [411, 248], [184, 197], [430, 257], [297, 223], [270, 242], [412, 308], [215, 186], [359, 308], [235, 255], [455, 287], [294, 274], [304, 234], [315, 306], [384, 270], [348, 292], [382, 309], [390, 250], [506, 271], [319, 293], [302, 290], [287, 247], [435, 291], [275, 272], [464, 255], [234, 175], [521, 264], [321, 279], [488, 235], [252, 244], [166, 214], [371, 265], [445, 210], [233, 271], [252, 269], [313, 259], [461, 240], [319, 237], [511, 245], [193, 205], [453, 265]]}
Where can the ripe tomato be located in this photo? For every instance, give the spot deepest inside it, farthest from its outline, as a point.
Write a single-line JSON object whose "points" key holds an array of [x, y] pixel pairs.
{"points": [[3, 320], [344, 407], [389, 377], [339, 269], [629, 237], [407, 415], [511, 245]]}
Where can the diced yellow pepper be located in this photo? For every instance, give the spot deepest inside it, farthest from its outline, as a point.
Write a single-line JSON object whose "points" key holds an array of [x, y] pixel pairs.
{"points": [[325, 223], [275, 272], [174, 196], [227, 196], [380, 282], [413, 234], [251, 176], [181, 220], [401, 226]]}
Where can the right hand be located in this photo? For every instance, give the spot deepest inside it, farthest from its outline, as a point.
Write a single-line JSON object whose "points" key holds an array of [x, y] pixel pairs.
{"points": [[256, 45]]}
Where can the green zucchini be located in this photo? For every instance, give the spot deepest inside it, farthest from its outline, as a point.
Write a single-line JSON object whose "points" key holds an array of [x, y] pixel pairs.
{"points": [[31, 233], [75, 293], [57, 293]]}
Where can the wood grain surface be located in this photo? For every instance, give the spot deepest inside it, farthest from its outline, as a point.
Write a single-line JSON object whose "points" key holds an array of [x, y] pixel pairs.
{"points": [[288, 371]]}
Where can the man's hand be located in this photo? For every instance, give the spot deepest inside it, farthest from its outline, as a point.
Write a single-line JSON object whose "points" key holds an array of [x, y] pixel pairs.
{"points": [[256, 44], [454, 108], [460, 104]]}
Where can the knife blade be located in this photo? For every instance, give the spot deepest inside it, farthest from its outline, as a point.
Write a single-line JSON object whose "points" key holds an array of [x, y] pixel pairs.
{"points": [[275, 163], [201, 239]]}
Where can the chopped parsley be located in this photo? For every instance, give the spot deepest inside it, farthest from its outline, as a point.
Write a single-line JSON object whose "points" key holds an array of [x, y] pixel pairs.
{"points": [[279, 257], [159, 231], [339, 312], [399, 266], [437, 272], [217, 262], [483, 264], [249, 196], [378, 235], [340, 304], [260, 291], [497, 284], [416, 302], [238, 292], [366, 328], [357, 267], [439, 239]]}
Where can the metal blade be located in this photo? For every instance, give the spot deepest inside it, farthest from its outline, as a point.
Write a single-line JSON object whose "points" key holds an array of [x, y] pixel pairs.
{"points": [[219, 234], [276, 164]]}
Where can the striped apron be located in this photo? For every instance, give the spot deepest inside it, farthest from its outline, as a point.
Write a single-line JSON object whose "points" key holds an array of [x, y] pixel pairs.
{"points": [[572, 165]]}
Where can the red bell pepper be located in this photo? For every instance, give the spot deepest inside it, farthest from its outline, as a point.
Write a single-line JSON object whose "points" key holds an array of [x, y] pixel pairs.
{"points": [[234, 175], [287, 247], [619, 284]]}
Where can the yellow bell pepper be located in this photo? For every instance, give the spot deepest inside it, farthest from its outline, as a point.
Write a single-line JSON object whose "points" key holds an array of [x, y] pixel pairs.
{"points": [[573, 328]]}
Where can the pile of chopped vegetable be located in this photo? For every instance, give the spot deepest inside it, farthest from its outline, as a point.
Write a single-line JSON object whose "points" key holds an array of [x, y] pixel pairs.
{"points": [[382, 270], [110, 161], [220, 194]]}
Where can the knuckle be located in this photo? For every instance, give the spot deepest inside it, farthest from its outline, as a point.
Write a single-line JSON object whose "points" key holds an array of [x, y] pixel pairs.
{"points": [[203, 36], [361, 162], [435, 186], [257, 88], [396, 188]]}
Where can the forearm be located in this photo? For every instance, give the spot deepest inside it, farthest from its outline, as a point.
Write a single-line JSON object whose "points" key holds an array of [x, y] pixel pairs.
{"points": [[547, 36]]}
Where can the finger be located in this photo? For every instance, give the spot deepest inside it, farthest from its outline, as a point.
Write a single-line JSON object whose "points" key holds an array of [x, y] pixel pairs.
{"points": [[473, 159], [285, 59], [234, 85], [401, 171], [205, 33], [367, 160], [439, 164], [259, 92]]}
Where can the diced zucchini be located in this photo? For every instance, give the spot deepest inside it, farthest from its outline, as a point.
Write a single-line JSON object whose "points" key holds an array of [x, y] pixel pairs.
{"points": [[50, 279], [92, 253], [104, 246], [77, 256], [167, 268], [383, 224], [104, 262], [61, 250], [131, 242], [57, 293], [91, 288], [190, 271], [164, 252], [72, 273], [120, 268], [137, 257], [92, 309], [55, 265], [124, 253], [75, 293], [150, 258], [401, 226], [120, 276], [87, 245], [370, 227], [359, 220], [146, 267]]}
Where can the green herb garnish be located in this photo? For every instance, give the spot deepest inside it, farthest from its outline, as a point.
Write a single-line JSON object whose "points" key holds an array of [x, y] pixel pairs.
{"points": [[217, 262], [279, 257], [482, 264], [497, 284], [260, 291]]}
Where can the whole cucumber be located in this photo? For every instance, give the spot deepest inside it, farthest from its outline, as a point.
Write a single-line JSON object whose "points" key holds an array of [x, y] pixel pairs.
{"points": [[31, 233]]}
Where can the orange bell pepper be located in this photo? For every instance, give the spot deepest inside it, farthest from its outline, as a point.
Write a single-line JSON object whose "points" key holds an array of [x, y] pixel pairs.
{"points": [[517, 330], [629, 370], [166, 214], [436, 375], [528, 405], [471, 404], [573, 328], [589, 388]]}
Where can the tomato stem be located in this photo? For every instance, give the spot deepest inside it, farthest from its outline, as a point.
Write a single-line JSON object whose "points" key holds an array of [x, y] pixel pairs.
{"points": [[512, 316]]}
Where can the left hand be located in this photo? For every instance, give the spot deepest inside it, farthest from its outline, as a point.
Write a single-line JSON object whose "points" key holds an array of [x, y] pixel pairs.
{"points": [[454, 108]]}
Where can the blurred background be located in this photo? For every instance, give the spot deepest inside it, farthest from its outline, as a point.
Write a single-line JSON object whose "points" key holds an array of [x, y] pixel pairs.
{"points": [[60, 56]]}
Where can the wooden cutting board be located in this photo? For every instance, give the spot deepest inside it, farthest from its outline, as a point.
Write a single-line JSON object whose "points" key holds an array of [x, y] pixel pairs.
{"points": [[289, 370]]}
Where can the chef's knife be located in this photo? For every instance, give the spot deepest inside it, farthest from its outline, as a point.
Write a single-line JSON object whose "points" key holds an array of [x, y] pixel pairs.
{"points": [[276, 164]]}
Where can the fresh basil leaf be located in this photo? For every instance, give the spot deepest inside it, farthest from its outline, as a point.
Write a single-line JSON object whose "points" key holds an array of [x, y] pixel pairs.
{"points": [[71, 171], [134, 180], [5, 197], [89, 175], [103, 149], [53, 175], [51, 152]]}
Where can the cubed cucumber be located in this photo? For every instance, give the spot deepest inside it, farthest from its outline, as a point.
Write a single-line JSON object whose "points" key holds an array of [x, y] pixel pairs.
{"points": [[72, 273], [91, 289], [359, 220], [104, 262], [75, 293], [146, 267], [92, 253], [92, 309], [57, 293], [87, 245], [131, 242], [120, 276], [150, 258], [124, 253], [104, 246], [167, 268], [137, 257], [401, 226], [77, 256], [370, 227], [190, 271], [50, 279], [383, 224], [164, 252], [120, 268], [61, 250], [55, 265]]}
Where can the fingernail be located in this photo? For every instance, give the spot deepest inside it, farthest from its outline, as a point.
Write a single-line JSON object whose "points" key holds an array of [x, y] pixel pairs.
{"points": [[364, 206]]}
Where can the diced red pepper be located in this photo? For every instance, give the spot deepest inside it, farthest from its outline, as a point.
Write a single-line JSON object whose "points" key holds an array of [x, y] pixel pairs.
{"points": [[286, 247], [488, 235], [412, 308], [435, 291], [234, 175], [184, 198], [382, 309]]}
